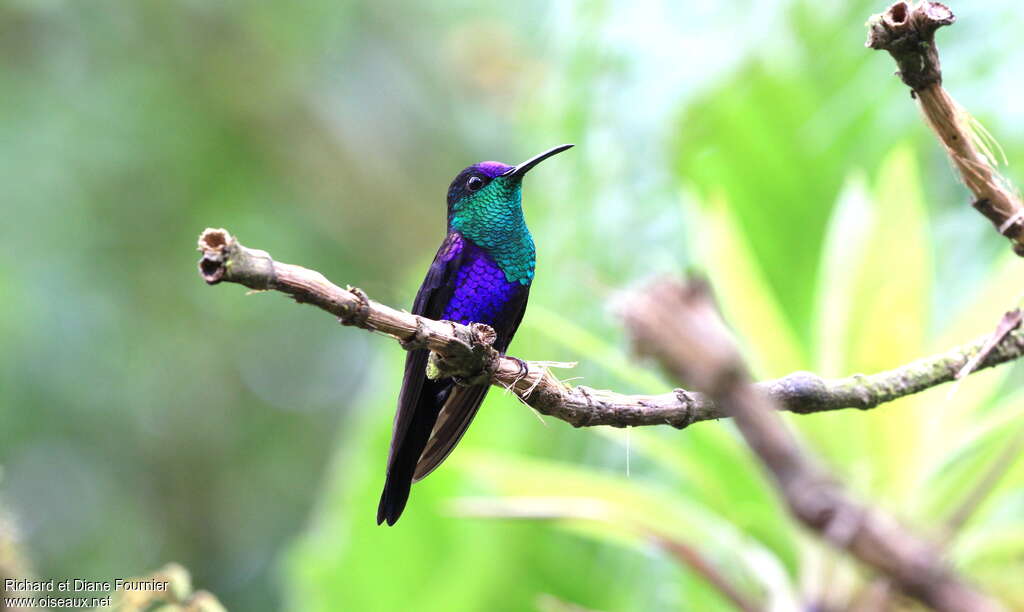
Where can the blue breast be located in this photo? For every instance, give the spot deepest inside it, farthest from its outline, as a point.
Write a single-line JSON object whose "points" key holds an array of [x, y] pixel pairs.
{"points": [[481, 290]]}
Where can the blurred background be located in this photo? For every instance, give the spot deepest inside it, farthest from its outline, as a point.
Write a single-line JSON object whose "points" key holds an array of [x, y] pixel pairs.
{"points": [[147, 418]]}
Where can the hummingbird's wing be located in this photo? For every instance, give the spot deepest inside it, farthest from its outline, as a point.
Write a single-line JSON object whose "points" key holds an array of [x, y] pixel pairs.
{"points": [[463, 402], [453, 421], [420, 399]]}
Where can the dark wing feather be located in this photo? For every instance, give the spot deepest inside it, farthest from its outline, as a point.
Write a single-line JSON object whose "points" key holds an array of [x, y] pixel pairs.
{"points": [[420, 399], [452, 423], [463, 402]]}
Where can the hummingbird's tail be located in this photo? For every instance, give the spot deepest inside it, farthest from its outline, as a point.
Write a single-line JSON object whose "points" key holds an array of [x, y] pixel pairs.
{"points": [[432, 416], [408, 445]]}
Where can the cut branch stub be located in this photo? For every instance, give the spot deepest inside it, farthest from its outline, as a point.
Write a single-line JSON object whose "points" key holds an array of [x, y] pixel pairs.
{"points": [[213, 243], [220, 250], [908, 34]]}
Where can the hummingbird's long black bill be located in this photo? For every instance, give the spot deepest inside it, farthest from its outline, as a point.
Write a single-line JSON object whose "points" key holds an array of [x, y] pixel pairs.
{"points": [[520, 169]]}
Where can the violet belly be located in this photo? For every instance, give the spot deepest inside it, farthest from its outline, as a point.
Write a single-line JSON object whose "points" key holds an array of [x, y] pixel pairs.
{"points": [[482, 292]]}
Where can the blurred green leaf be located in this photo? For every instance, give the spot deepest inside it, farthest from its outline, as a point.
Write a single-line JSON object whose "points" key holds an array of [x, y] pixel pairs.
{"points": [[748, 303], [632, 510]]}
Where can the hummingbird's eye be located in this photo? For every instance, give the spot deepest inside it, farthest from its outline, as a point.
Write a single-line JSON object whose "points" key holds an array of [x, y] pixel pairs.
{"points": [[474, 183]]}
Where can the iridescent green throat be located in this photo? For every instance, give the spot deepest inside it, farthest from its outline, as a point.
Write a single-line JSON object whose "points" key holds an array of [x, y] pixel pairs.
{"points": [[493, 219]]}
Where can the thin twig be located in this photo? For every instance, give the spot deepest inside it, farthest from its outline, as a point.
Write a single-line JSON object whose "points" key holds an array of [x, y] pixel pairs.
{"points": [[981, 490], [1010, 321], [692, 558]]}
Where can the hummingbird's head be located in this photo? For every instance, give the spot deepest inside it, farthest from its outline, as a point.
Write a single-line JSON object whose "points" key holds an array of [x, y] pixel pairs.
{"points": [[489, 191]]}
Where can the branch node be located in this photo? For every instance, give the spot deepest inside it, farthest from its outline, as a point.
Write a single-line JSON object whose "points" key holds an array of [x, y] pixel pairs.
{"points": [[359, 314], [584, 418], [689, 416], [1009, 225], [415, 340], [801, 392]]}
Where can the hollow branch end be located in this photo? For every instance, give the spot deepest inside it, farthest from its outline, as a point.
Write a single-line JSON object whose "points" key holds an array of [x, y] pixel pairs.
{"points": [[214, 244], [224, 259], [907, 32]]}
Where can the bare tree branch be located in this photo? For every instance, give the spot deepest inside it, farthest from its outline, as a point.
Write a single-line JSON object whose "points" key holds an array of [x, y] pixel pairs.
{"points": [[907, 32], [692, 558], [680, 327], [466, 352]]}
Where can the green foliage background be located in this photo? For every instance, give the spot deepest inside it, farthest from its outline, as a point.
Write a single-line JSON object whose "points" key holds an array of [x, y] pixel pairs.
{"points": [[148, 418]]}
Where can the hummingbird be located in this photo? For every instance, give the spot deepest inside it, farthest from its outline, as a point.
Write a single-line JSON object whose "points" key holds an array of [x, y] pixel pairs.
{"points": [[481, 274]]}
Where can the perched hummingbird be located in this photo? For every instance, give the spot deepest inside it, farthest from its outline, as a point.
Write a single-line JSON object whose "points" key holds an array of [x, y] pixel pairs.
{"points": [[481, 274]]}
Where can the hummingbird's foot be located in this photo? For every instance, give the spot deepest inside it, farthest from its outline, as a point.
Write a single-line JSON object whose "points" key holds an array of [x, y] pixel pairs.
{"points": [[482, 377]]}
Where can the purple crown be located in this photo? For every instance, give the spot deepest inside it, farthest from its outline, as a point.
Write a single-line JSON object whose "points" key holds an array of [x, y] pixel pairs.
{"points": [[493, 168]]}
